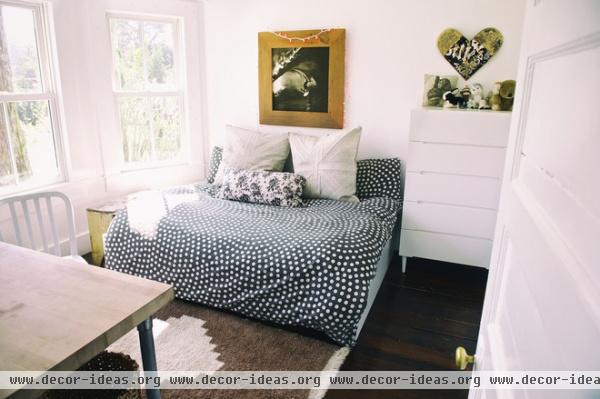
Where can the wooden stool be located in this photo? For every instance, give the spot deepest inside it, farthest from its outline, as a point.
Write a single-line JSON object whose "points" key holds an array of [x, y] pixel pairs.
{"points": [[99, 218]]}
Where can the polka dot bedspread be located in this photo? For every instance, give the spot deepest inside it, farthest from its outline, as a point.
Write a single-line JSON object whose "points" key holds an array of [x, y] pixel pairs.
{"points": [[309, 266]]}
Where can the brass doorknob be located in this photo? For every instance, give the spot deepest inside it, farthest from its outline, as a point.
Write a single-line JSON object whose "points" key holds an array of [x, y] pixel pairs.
{"points": [[462, 358]]}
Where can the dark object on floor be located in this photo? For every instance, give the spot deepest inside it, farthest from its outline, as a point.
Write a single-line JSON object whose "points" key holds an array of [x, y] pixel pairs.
{"points": [[417, 321], [105, 361]]}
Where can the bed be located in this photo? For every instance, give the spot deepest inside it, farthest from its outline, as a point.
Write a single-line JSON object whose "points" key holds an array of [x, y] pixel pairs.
{"points": [[318, 266]]}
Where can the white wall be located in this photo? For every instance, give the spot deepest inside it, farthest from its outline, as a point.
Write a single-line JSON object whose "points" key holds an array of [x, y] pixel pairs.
{"points": [[390, 45], [92, 142]]}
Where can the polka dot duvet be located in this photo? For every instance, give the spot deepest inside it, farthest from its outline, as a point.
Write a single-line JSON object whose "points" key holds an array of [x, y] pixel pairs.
{"points": [[308, 267]]}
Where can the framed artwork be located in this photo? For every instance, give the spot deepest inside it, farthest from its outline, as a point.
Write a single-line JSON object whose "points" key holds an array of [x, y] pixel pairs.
{"points": [[301, 78], [435, 87]]}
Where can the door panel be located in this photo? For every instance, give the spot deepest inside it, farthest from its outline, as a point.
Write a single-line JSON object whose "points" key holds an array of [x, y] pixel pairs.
{"points": [[551, 290], [578, 222], [555, 139]]}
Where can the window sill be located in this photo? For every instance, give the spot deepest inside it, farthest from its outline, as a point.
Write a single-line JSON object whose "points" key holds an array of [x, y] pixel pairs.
{"points": [[143, 167], [31, 187]]}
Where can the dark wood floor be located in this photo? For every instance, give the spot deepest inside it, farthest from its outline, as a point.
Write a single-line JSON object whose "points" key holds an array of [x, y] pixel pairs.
{"points": [[417, 321]]}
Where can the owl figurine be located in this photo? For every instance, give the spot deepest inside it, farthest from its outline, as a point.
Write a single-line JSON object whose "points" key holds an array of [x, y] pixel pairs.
{"points": [[478, 100]]}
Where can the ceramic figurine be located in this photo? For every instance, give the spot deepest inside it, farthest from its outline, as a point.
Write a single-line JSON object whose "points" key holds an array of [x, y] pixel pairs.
{"points": [[483, 104], [471, 104], [452, 99], [495, 97], [466, 95], [507, 95], [477, 101]]}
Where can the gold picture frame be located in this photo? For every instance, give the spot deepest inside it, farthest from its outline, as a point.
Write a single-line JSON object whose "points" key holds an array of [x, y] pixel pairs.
{"points": [[301, 78]]}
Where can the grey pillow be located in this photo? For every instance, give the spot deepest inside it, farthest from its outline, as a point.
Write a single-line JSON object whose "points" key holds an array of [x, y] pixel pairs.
{"points": [[379, 178], [262, 187], [328, 163], [215, 160], [251, 150]]}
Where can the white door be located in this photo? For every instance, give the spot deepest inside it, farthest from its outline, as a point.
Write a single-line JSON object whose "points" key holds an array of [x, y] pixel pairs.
{"points": [[542, 305]]}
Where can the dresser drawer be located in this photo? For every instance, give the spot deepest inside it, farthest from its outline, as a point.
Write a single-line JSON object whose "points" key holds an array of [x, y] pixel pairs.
{"points": [[449, 219], [460, 126], [455, 159], [446, 248], [480, 192]]}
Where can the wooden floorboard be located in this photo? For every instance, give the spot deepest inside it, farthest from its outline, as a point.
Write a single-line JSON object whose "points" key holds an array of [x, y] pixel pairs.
{"points": [[417, 321]]}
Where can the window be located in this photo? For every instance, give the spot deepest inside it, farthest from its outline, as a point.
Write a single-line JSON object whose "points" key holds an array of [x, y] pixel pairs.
{"points": [[147, 82], [28, 127]]}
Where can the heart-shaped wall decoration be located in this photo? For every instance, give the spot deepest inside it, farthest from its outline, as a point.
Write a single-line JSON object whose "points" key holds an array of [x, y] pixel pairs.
{"points": [[467, 56]]}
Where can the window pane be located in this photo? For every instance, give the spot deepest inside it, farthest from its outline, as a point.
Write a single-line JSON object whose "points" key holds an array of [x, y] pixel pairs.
{"points": [[144, 56], [127, 37], [7, 176], [135, 125], [166, 125], [158, 39], [19, 61], [33, 141]]}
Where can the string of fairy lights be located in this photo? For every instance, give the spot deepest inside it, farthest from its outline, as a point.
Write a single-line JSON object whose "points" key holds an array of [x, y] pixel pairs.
{"points": [[289, 38]]}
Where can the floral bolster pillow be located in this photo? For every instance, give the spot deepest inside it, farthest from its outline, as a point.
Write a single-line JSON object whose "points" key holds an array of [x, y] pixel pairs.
{"points": [[262, 187]]}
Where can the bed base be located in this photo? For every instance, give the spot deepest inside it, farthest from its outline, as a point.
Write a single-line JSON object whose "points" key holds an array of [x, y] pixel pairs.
{"points": [[382, 267]]}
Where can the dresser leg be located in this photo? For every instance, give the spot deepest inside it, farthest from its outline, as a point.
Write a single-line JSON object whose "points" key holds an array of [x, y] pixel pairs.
{"points": [[404, 260], [148, 353]]}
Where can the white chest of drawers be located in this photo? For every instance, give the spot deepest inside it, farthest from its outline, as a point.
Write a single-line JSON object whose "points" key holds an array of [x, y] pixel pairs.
{"points": [[453, 178]]}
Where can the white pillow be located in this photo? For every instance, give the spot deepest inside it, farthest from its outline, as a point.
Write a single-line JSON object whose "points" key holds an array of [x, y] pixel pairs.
{"points": [[252, 150], [328, 163]]}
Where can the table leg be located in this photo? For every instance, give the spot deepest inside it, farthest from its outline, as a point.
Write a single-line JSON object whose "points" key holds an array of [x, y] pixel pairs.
{"points": [[148, 353]]}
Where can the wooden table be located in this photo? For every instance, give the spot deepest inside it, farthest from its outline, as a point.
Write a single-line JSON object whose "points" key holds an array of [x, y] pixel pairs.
{"points": [[56, 314]]}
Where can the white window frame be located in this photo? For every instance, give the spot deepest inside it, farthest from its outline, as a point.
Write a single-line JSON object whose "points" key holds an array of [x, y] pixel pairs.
{"points": [[180, 91], [49, 77]]}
